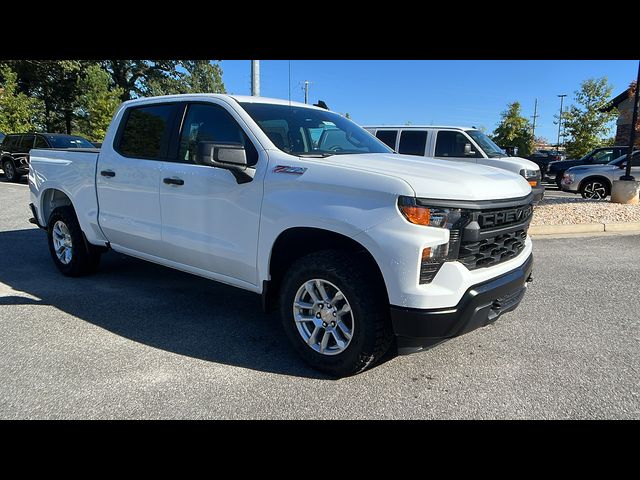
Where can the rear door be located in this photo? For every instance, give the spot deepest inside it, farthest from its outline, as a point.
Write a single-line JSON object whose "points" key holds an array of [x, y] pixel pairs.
{"points": [[209, 220], [128, 178], [450, 145]]}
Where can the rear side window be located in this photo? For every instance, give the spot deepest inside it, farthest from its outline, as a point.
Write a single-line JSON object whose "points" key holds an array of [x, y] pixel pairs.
{"points": [[10, 143], [388, 137], [146, 131], [26, 143], [413, 142], [41, 143]]}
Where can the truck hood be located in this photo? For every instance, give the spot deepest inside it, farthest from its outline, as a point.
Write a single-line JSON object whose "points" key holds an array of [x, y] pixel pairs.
{"points": [[514, 164], [441, 179]]}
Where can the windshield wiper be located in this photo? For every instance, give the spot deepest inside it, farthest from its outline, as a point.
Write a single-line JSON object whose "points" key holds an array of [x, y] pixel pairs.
{"points": [[315, 155]]}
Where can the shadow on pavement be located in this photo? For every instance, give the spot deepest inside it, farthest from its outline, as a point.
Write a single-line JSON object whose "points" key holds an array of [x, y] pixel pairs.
{"points": [[153, 305]]}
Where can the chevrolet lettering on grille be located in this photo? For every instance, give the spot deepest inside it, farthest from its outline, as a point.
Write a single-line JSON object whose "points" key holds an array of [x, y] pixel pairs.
{"points": [[514, 215]]}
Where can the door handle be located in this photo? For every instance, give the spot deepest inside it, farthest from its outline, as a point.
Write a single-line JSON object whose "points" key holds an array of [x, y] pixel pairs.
{"points": [[108, 173], [173, 181]]}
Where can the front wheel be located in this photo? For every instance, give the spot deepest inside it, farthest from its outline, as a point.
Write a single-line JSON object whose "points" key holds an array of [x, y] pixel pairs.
{"points": [[594, 190], [335, 313], [10, 171], [67, 246]]}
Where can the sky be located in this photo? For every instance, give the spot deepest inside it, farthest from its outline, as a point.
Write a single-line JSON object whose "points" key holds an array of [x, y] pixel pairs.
{"points": [[431, 92]]}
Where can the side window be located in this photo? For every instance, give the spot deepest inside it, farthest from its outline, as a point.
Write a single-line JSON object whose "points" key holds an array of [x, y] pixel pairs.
{"points": [[26, 143], [10, 143], [41, 143], [388, 137], [451, 144], [211, 123], [602, 156], [146, 131], [412, 142]]}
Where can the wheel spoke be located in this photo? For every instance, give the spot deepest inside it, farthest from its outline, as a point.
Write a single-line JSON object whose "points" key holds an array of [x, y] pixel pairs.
{"points": [[305, 318], [314, 335], [344, 330], [345, 309], [341, 344], [309, 288], [322, 291], [337, 297], [303, 305], [325, 341]]}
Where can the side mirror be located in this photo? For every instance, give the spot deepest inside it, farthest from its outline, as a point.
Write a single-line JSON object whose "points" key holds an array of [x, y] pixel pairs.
{"points": [[622, 166], [230, 156], [467, 149]]}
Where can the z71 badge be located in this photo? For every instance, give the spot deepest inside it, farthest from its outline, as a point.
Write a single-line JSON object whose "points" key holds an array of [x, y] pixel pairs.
{"points": [[286, 169]]}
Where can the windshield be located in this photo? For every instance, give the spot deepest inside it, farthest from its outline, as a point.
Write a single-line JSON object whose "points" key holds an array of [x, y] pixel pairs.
{"points": [[486, 144], [622, 158], [70, 142], [309, 132]]}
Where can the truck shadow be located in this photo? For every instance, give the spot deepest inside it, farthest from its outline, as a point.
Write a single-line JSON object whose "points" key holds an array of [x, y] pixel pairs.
{"points": [[156, 306]]}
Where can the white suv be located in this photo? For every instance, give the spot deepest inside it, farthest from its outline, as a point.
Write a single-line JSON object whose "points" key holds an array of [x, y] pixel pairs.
{"points": [[459, 144]]}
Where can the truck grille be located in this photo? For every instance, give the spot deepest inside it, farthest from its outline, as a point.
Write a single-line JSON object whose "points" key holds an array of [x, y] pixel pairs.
{"points": [[492, 250]]}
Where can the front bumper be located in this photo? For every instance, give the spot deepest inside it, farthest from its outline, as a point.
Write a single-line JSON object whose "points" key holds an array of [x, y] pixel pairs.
{"points": [[481, 304]]}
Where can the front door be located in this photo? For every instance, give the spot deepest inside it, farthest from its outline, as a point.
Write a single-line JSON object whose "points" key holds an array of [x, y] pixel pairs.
{"points": [[128, 179], [209, 220], [450, 145]]}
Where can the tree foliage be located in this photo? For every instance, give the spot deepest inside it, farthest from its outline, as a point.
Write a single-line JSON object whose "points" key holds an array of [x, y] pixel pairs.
{"points": [[514, 130], [97, 102], [19, 113], [585, 126], [80, 96]]}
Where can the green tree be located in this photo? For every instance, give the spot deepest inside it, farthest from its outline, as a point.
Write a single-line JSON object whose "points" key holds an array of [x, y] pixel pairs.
{"points": [[19, 113], [514, 130], [587, 127], [190, 76], [97, 102]]}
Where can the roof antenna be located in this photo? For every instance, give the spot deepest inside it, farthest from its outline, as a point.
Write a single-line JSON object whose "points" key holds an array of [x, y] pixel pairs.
{"points": [[321, 104], [289, 82]]}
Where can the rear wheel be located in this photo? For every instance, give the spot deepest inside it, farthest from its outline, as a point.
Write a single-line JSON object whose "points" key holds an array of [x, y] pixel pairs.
{"points": [[10, 171], [594, 189], [69, 251], [334, 312]]}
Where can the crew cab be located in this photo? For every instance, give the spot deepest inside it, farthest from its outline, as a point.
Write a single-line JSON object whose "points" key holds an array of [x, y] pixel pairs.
{"points": [[357, 246], [458, 144]]}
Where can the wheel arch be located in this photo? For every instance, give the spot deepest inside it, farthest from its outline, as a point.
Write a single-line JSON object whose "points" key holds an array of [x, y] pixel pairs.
{"points": [[605, 180], [296, 242]]}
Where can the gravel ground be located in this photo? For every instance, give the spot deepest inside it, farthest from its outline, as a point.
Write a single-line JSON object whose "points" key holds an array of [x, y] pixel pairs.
{"points": [[563, 211]]}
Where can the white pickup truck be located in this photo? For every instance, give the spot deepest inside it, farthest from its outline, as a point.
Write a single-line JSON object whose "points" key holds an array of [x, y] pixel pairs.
{"points": [[358, 247]]}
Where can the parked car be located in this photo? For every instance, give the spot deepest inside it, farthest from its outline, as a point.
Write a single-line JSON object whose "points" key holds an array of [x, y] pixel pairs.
{"points": [[14, 150], [459, 144], [594, 181], [2, 135], [542, 158], [353, 242], [598, 156]]}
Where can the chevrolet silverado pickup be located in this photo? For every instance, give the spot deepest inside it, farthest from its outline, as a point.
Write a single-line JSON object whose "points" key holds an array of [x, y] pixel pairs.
{"points": [[359, 248]]}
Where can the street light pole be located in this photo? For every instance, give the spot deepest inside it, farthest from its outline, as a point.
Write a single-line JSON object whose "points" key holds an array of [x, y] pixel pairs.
{"points": [[632, 136], [560, 121]]}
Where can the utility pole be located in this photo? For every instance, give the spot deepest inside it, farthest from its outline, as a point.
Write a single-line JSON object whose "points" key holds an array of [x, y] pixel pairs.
{"points": [[255, 78], [306, 91], [560, 120], [535, 115]]}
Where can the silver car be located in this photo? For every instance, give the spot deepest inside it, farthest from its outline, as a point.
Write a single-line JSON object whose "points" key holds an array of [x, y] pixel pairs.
{"points": [[594, 181]]}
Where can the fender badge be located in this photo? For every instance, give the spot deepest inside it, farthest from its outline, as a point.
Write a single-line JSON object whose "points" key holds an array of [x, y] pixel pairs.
{"points": [[287, 169]]}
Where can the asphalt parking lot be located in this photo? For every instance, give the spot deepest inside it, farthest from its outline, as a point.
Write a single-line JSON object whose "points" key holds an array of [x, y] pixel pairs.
{"points": [[138, 340]]}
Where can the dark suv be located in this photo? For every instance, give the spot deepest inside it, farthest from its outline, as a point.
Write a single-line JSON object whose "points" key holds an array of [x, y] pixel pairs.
{"points": [[14, 150], [598, 156]]}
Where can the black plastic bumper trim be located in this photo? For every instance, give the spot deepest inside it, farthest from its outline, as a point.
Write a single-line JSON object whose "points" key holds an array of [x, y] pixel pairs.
{"points": [[480, 305], [34, 219]]}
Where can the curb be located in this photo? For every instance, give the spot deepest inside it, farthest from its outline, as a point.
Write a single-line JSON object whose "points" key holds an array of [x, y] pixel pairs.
{"points": [[584, 228]]}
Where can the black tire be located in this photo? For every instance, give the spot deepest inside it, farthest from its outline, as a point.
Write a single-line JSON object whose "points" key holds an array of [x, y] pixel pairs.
{"points": [[559, 176], [367, 298], [10, 172], [595, 189], [85, 258]]}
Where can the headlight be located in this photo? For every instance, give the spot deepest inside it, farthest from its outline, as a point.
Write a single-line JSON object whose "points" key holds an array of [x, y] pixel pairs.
{"points": [[569, 176], [426, 215], [531, 176], [452, 219]]}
